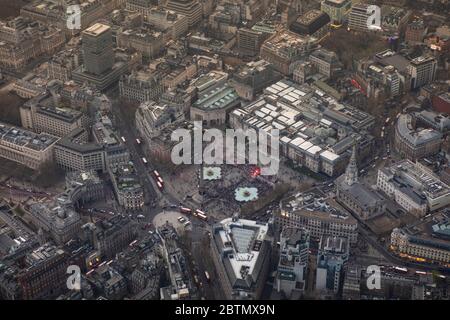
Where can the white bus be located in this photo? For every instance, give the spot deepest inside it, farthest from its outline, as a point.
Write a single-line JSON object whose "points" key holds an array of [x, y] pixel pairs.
{"points": [[133, 243], [421, 272], [199, 211], [144, 160], [202, 216], [207, 276], [185, 210], [123, 139], [401, 270], [138, 141]]}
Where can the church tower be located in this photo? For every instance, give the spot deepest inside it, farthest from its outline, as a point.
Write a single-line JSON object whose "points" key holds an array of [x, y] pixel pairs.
{"points": [[351, 173]]}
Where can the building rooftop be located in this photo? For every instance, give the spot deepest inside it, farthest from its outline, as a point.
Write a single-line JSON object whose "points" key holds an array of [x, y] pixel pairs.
{"points": [[242, 245], [97, 29], [335, 245], [70, 142], [422, 60], [42, 254], [307, 118], [23, 138], [416, 137], [217, 98], [126, 177], [314, 203], [289, 44], [63, 114], [418, 178]]}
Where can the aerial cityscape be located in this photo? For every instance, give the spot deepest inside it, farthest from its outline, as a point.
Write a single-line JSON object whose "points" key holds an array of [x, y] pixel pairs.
{"points": [[225, 150]]}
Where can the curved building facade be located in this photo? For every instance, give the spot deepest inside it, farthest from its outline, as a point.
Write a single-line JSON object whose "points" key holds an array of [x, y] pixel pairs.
{"points": [[415, 143]]}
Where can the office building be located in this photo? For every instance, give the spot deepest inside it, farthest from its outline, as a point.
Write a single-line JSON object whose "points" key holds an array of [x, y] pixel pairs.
{"points": [[99, 66], [318, 214], [351, 289], [326, 62], [414, 142], [27, 148], [241, 252], [75, 153], [415, 31], [61, 65], [127, 187], [152, 118], [285, 47], [97, 48], [252, 78], [144, 40], [422, 71], [337, 10], [422, 248], [57, 219], [22, 40], [182, 284], [115, 151], [192, 9], [110, 236], [142, 6], [358, 17], [431, 119], [44, 275], [54, 120], [292, 270], [169, 22], [332, 257], [249, 41], [441, 102], [140, 86], [312, 23], [413, 186]]}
